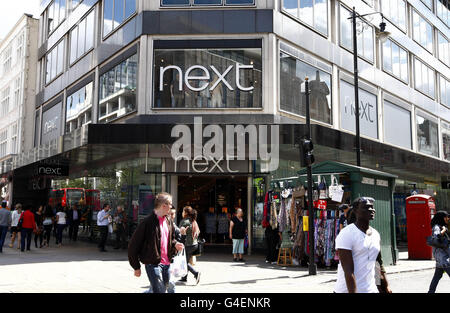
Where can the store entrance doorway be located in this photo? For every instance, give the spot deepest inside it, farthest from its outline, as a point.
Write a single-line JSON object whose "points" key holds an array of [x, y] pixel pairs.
{"points": [[216, 199]]}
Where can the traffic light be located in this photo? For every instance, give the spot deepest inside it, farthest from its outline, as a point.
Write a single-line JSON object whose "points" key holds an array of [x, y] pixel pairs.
{"points": [[306, 150]]}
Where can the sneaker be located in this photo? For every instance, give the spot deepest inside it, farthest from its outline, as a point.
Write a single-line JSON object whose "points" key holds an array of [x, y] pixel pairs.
{"points": [[241, 260], [274, 262], [197, 278], [267, 261]]}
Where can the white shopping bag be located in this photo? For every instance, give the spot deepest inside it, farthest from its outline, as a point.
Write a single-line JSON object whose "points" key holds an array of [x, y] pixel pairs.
{"points": [[178, 268]]}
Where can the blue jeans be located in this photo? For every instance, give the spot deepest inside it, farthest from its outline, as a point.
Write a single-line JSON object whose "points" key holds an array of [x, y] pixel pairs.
{"points": [[3, 232], [59, 232], [437, 277], [159, 277]]}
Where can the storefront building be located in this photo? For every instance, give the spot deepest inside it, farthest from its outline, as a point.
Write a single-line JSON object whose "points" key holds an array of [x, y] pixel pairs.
{"points": [[122, 82]]}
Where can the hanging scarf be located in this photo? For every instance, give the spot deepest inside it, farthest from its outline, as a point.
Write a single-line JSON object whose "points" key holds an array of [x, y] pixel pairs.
{"points": [[282, 218], [265, 221], [273, 215]]}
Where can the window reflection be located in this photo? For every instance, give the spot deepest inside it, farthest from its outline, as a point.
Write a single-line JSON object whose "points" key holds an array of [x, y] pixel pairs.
{"points": [[115, 12], [117, 90], [79, 108], [312, 12], [293, 73], [445, 129], [364, 35], [427, 136]]}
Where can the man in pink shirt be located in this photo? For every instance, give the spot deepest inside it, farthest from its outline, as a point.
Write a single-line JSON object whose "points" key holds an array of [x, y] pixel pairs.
{"points": [[154, 244]]}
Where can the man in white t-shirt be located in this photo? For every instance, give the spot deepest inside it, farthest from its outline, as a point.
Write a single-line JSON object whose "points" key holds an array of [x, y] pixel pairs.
{"points": [[359, 246]]}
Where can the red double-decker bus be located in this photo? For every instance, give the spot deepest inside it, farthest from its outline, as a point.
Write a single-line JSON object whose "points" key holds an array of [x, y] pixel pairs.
{"points": [[66, 197]]}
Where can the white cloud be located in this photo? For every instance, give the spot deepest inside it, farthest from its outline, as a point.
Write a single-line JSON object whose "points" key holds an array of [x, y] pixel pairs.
{"points": [[11, 11]]}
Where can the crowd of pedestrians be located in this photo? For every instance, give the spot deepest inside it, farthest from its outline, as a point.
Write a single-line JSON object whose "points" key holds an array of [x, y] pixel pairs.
{"points": [[26, 222]]}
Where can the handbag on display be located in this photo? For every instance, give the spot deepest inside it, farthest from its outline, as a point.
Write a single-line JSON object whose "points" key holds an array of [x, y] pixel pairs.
{"points": [[299, 192], [323, 188], [335, 191]]}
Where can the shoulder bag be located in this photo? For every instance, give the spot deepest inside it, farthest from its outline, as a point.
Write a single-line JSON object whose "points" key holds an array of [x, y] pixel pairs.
{"points": [[437, 242]]}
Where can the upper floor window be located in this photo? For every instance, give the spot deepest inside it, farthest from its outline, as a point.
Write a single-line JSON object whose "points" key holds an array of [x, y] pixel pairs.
{"points": [[206, 2], [312, 12], [443, 49], [427, 136], [292, 77], [17, 87], [117, 90], [442, 11], [444, 86], [364, 33], [75, 3], [19, 47], [82, 37], [428, 3], [7, 57], [115, 12], [55, 62], [445, 130], [3, 142], [422, 32], [395, 60], [423, 78], [395, 11], [79, 108], [56, 13], [5, 102], [14, 131]]}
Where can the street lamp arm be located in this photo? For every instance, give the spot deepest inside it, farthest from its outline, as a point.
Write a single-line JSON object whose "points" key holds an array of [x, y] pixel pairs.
{"points": [[363, 15]]}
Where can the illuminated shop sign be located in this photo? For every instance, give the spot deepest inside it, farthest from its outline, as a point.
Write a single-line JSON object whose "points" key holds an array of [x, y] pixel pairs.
{"points": [[208, 78]]}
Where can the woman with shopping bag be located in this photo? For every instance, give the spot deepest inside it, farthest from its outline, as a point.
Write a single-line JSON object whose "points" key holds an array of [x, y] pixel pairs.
{"points": [[192, 232]]}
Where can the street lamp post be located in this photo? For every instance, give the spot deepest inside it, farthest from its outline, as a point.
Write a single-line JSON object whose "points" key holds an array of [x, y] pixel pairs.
{"points": [[312, 264], [383, 36]]}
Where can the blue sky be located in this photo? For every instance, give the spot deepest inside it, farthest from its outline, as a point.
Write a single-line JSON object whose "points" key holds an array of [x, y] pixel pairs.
{"points": [[12, 10]]}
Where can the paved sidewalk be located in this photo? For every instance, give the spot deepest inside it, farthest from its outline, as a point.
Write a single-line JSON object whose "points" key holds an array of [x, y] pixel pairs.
{"points": [[80, 267]]}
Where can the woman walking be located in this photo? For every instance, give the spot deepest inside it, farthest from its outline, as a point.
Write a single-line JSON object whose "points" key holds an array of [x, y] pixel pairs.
{"points": [[192, 231], [60, 225], [39, 233], [49, 218], [238, 229], [15, 231], [28, 225], [442, 255]]}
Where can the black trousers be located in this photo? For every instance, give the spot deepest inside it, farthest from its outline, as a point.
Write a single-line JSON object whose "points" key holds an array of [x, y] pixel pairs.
{"points": [[48, 232], [73, 230], [103, 236], [272, 238], [121, 237]]}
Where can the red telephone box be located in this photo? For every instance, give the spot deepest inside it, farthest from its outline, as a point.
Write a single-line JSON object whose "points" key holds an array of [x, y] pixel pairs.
{"points": [[419, 211]]}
